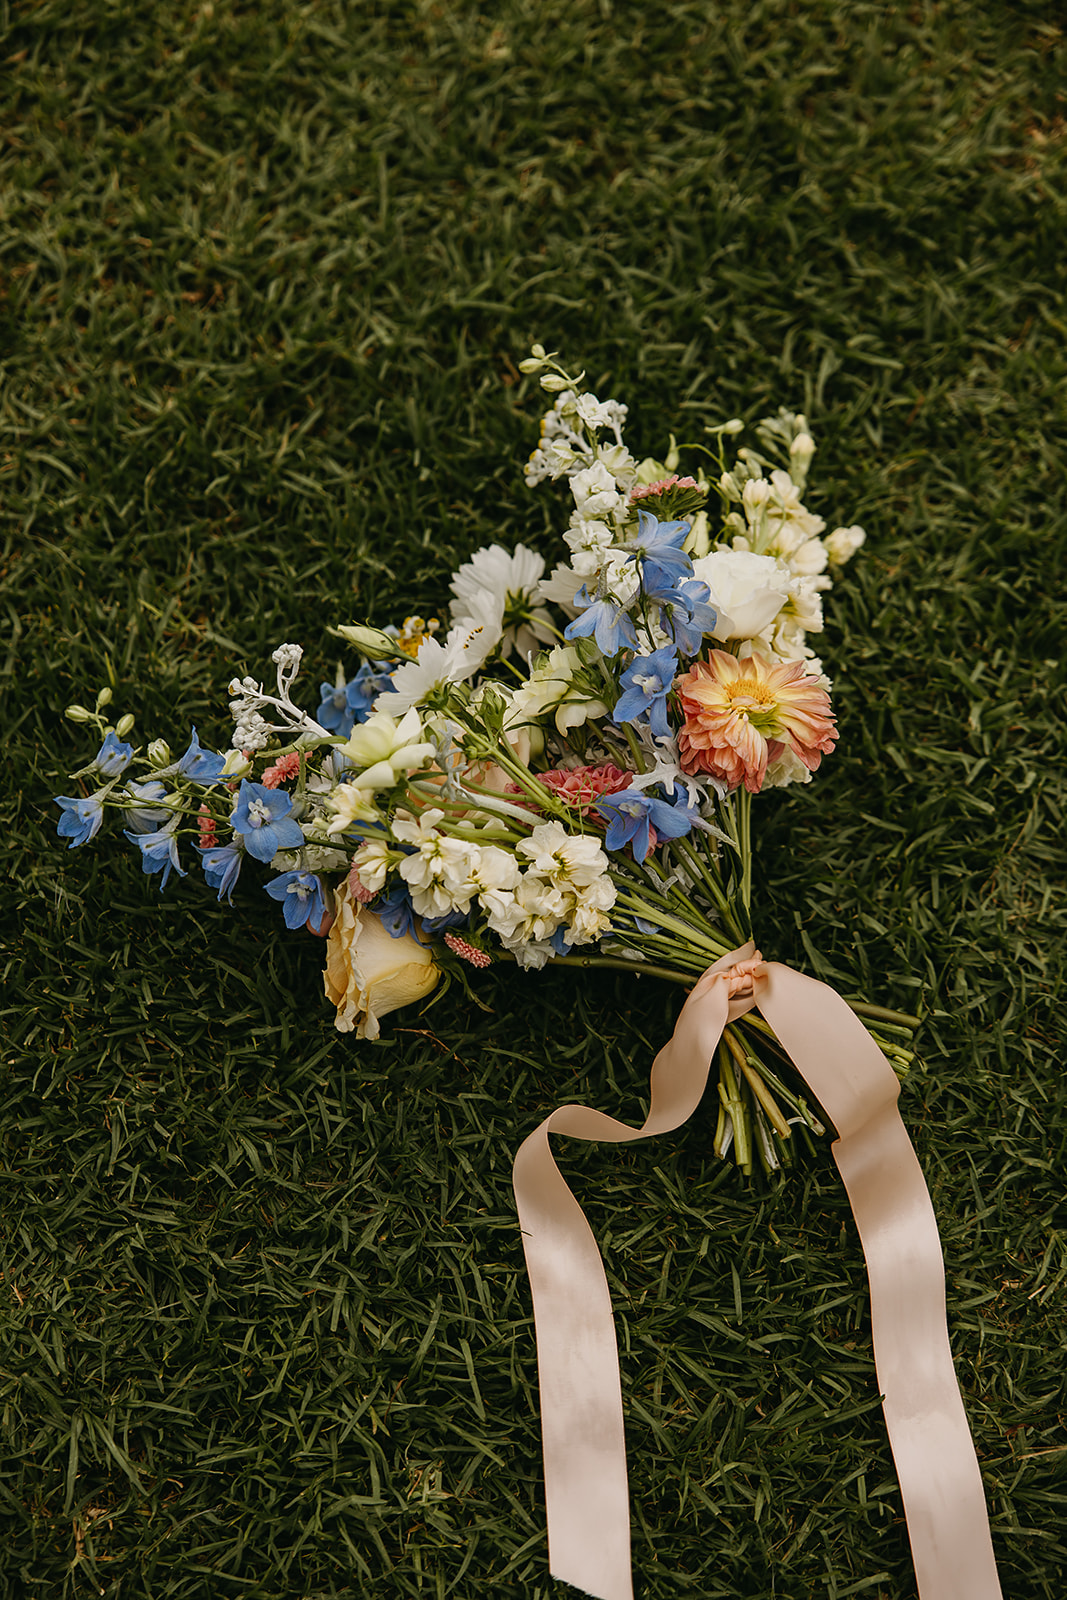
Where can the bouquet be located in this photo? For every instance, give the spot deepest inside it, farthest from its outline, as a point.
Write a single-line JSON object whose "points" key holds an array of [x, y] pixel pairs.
{"points": [[566, 772]]}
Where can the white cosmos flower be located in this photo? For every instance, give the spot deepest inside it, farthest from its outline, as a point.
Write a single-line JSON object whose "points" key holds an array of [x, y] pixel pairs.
{"points": [[560, 588], [499, 590], [436, 666], [748, 591]]}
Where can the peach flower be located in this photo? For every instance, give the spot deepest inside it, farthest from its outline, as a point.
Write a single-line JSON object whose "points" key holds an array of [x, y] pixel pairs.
{"points": [[741, 714], [368, 972]]}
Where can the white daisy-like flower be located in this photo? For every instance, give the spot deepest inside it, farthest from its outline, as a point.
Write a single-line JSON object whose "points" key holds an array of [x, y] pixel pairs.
{"points": [[436, 666], [498, 590], [560, 588]]}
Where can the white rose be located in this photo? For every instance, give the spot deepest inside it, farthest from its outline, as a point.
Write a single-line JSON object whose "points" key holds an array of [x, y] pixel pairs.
{"points": [[747, 591]]}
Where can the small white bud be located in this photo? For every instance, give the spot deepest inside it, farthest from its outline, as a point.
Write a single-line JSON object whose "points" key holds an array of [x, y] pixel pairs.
{"points": [[538, 350], [125, 725], [531, 364], [159, 753], [371, 642], [78, 714], [103, 698], [554, 384], [735, 425]]}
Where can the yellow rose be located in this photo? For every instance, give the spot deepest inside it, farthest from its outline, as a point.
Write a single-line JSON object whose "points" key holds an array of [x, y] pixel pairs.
{"points": [[368, 972]]}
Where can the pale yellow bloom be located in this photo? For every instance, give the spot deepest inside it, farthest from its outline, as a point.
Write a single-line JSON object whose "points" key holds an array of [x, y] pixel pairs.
{"points": [[368, 972]]}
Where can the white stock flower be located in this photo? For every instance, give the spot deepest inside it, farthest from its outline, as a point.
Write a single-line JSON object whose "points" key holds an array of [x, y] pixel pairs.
{"points": [[371, 864], [595, 491], [784, 508], [439, 873], [748, 591], [843, 543], [568, 860], [589, 539]]}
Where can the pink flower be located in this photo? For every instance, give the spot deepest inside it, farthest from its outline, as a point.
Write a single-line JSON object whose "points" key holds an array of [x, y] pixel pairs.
{"points": [[284, 768], [644, 491], [206, 823], [467, 952], [356, 889], [580, 786], [741, 714]]}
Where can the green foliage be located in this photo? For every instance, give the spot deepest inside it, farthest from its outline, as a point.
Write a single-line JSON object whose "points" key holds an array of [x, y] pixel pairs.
{"points": [[266, 275]]}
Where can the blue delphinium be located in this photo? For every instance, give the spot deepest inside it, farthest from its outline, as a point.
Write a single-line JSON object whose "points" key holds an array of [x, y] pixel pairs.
{"points": [[606, 620], [262, 818], [143, 816], [222, 866], [202, 766], [646, 684], [113, 756], [300, 896], [396, 912], [159, 850], [343, 705], [81, 817], [686, 615], [658, 546], [632, 814]]}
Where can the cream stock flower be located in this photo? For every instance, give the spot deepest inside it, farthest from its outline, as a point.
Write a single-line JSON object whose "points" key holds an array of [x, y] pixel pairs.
{"points": [[368, 972]]}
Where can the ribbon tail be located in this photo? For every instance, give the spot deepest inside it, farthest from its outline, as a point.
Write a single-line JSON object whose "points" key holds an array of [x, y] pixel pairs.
{"points": [[940, 1481], [586, 1490]]}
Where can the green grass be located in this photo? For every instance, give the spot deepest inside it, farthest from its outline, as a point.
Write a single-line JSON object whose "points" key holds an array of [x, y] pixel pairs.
{"points": [[266, 274]]}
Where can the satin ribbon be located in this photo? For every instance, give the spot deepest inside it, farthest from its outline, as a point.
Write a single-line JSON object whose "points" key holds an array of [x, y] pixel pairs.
{"points": [[586, 1491]]}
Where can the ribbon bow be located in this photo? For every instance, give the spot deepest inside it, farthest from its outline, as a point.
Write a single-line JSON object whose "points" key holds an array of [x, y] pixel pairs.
{"points": [[587, 1498]]}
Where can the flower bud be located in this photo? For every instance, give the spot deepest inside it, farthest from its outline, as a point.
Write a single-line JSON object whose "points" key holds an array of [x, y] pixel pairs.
{"points": [[735, 425], [800, 453], [671, 463], [103, 698], [531, 364], [160, 753], [371, 642], [538, 350], [124, 725], [236, 764], [78, 714], [553, 384]]}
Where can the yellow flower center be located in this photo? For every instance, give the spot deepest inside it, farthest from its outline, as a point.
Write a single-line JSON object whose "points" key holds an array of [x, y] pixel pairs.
{"points": [[416, 631]]}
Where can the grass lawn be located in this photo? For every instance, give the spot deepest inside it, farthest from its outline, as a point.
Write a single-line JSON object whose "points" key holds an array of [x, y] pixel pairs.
{"points": [[266, 275]]}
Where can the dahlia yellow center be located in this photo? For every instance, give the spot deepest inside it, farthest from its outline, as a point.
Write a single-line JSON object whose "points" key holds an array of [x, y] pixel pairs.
{"points": [[756, 702]]}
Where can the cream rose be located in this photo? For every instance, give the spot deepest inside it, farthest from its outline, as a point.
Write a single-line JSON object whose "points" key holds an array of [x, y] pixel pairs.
{"points": [[747, 590], [368, 972]]}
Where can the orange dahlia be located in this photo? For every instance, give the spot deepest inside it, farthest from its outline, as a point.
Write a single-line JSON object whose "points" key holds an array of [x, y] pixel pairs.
{"points": [[741, 714]]}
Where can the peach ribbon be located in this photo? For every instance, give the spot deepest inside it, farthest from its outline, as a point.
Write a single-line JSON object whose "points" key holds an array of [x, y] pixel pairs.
{"points": [[578, 1364]]}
